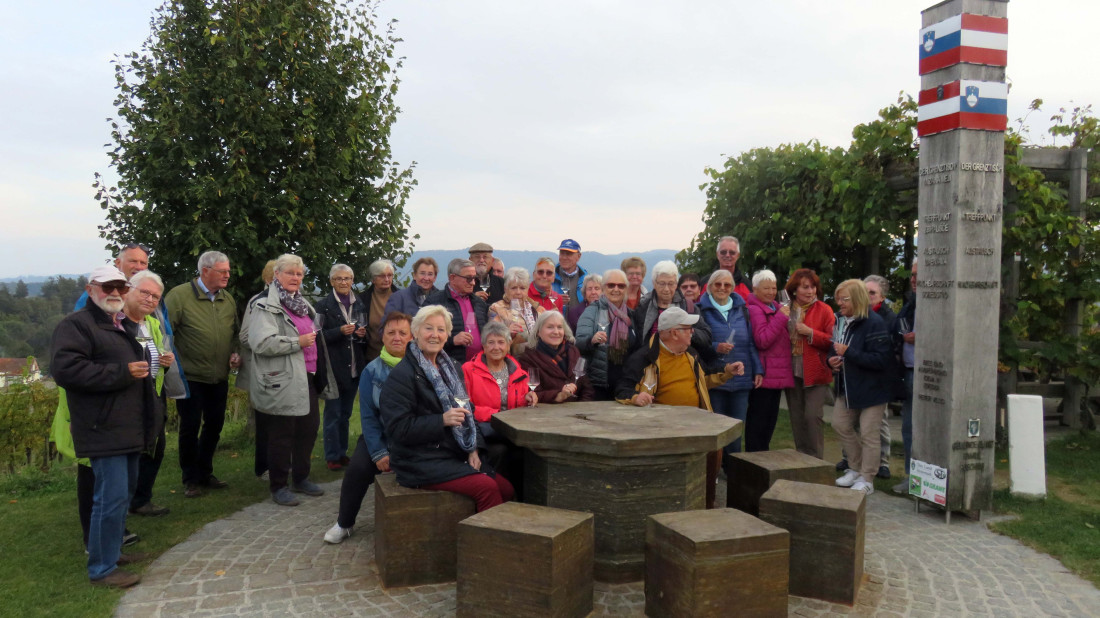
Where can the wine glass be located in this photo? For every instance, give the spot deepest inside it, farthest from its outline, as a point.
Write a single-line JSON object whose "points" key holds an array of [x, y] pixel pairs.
{"points": [[484, 282], [784, 297], [318, 322], [729, 340], [354, 317], [461, 401], [578, 369], [603, 321], [166, 344], [650, 383], [533, 380]]}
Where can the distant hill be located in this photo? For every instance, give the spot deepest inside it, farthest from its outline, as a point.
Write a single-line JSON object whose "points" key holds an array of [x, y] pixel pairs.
{"points": [[592, 261]]}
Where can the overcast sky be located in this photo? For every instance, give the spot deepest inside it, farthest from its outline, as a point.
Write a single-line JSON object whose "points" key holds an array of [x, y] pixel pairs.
{"points": [[532, 121]]}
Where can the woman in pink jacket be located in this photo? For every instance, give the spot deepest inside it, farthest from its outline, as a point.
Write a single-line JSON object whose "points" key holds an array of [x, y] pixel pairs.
{"points": [[773, 342]]}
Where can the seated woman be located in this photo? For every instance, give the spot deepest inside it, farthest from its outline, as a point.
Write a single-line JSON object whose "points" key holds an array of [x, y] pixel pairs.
{"points": [[432, 439], [606, 335], [516, 310], [542, 291], [593, 287], [371, 456], [496, 381], [553, 356]]}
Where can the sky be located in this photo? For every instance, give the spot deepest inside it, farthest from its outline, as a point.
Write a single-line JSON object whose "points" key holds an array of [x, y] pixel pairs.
{"points": [[531, 122]]}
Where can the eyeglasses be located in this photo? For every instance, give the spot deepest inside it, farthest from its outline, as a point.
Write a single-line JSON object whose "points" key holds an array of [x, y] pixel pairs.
{"points": [[721, 285], [136, 245], [844, 299], [664, 284], [729, 252], [467, 279], [615, 286], [113, 286], [343, 279], [151, 296], [545, 273]]}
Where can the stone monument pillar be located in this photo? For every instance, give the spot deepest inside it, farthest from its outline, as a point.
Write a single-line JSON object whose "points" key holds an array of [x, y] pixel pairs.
{"points": [[961, 122]]}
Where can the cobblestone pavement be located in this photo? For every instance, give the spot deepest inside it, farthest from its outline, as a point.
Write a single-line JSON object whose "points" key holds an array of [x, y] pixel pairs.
{"points": [[268, 560]]}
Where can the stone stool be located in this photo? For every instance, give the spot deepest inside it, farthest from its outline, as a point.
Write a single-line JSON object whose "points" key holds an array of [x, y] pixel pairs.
{"points": [[720, 562], [826, 526], [751, 474], [415, 532], [525, 560]]}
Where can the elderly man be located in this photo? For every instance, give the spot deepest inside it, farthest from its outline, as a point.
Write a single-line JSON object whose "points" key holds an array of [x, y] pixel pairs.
{"points": [[468, 312], [111, 397], [409, 300], [670, 372], [729, 250], [204, 316], [498, 267], [568, 275], [490, 288]]}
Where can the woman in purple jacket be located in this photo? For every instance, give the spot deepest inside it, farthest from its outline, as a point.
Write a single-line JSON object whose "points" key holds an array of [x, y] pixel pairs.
{"points": [[769, 332]]}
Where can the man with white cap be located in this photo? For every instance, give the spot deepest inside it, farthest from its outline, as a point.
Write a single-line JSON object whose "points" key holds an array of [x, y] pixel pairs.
{"points": [[113, 405], [669, 371]]}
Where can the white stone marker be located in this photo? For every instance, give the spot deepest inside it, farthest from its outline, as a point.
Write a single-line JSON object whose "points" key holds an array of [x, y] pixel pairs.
{"points": [[1026, 448]]}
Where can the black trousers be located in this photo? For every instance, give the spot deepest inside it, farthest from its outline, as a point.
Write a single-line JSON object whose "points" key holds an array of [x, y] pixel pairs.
{"points": [[762, 415], [202, 416], [85, 490], [260, 464], [358, 477], [148, 468], [290, 441]]}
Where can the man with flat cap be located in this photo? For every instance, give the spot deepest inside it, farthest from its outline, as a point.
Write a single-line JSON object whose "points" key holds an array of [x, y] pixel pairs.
{"points": [[669, 371], [489, 287], [568, 275]]}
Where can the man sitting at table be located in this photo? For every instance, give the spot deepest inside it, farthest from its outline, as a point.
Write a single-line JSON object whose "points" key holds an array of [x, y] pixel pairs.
{"points": [[669, 371]]}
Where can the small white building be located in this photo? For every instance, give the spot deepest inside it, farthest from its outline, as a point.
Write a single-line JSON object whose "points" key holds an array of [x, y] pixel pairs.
{"points": [[11, 371]]}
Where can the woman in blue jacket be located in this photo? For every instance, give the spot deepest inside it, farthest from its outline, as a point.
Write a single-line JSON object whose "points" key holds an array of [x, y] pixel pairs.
{"points": [[726, 313], [862, 357]]}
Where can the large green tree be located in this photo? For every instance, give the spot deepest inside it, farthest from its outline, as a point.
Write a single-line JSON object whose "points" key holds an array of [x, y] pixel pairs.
{"points": [[256, 128]]}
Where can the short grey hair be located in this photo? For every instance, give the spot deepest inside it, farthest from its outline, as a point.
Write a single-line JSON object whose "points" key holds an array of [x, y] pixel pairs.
{"points": [[430, 311], [455, 266], [762, 276], [379, 267], [340, 268], [543, 318], [719, 274], [618, 272], [732, 239], [592, 278], [208, 259], [288, 260], [665, 267], [883, 284], [495, 328], [142, 275], [517, 274], [546, 260]]}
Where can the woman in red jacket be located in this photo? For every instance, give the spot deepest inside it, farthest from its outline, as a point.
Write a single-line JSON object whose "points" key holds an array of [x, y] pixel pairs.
{"points": [[811, 331], [495, 381]]}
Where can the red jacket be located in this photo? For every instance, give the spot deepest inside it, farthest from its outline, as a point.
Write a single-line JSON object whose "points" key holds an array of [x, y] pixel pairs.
{"points": [[816, 350], [484, 391], [550, 302]]}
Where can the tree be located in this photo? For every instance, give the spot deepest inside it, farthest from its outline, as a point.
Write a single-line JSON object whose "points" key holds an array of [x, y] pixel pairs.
{"points": [[21, 290], [256, 128]]}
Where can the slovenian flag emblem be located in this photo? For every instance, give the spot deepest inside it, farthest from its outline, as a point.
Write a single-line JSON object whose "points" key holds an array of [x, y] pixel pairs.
{"points": [[966, 38], [963, 104]]}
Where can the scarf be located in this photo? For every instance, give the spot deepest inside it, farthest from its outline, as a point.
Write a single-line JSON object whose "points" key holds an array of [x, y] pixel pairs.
{"points": [[798, 316], [390, 360], [618, 334], [345, 299], [723, 309], [294, 303], [560, 354], [447, 386]]}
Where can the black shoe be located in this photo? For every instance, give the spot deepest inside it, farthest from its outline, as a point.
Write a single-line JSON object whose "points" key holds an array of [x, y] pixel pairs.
{"points": [[150, 510], [214, 482], [842, 465], [129, 538], [883, 472]]}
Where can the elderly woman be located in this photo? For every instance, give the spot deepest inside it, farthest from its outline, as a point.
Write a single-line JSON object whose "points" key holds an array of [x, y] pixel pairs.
{"points": [[375, 298], [411, 299], [862, 357], [606, 335], [516, 310], [346, 339], [635, 269], [665, 295], [553, 357], [728, 318], [593, 288], [496, 381], [773, 344], [427, 417], [690, 286], [289, 368], [542, 291], [810, 329], [372, 455]]}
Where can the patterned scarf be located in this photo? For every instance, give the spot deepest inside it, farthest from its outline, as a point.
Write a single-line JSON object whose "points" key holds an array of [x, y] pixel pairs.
{"points": [[618, 338], [294, 303], [560, 354], [798, 316], [447, 386]]}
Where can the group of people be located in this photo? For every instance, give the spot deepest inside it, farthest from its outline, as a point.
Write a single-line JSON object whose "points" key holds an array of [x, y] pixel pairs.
{"points": [[432, 365]]}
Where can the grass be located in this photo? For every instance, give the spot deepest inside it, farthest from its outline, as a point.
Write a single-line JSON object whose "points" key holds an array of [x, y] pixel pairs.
{"points": [[44, 565]]}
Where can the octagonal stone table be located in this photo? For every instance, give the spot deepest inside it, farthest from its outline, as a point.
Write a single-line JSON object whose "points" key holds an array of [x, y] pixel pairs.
{"points": [[621, 463]]}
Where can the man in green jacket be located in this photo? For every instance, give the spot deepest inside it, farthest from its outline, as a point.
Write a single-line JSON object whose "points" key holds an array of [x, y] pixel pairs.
{"points": [[204, 317]]}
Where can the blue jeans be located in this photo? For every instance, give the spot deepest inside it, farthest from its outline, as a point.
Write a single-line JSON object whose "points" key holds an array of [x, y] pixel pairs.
{"points": [[335, 425], [907, 417], [733, 404], [115, 479]]}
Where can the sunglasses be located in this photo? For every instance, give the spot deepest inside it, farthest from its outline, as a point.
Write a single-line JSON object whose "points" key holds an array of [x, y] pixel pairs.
{"points": [[545, 273], [136, 245], [469, 279], [728, 252], [113, 286], [615, 286]]}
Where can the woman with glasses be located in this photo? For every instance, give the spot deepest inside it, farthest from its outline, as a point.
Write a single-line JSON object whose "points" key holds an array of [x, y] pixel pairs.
{"points": [[374, 302], [542, 291], [728, 318], [516, 310], [606, 335], [664, 295], [346, 336], [635, 269]]}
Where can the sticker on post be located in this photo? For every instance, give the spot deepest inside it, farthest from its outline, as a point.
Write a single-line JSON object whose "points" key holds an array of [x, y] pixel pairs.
{"points": [[928, 482]]}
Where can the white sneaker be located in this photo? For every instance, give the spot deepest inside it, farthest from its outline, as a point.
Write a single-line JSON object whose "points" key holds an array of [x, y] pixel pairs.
{"points": [[850, 477], [864, 486], [336, 534]]}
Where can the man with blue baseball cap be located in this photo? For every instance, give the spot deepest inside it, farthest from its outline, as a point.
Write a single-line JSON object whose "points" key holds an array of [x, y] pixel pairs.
{"points": [[568, 275]]}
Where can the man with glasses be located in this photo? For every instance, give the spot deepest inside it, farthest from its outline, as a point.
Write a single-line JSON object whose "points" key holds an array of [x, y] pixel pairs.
{"points": [[96, 358], [568, 274], [204, 316], [729, 250], [468, 312], [481, 254], [670, 372]]}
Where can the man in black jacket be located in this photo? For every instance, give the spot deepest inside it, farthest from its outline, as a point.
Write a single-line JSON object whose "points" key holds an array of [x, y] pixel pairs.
{"points": [[112, 404], [481, 254], [460, 301]]}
